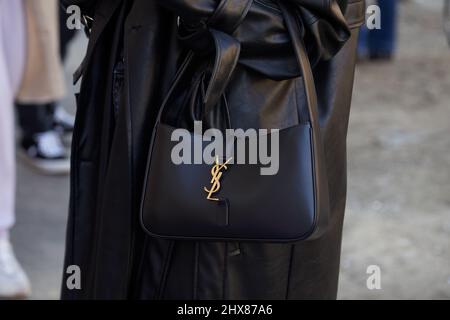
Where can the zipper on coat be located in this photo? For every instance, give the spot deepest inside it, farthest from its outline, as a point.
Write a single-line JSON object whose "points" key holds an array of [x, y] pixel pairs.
{"points": [[118, 82]]}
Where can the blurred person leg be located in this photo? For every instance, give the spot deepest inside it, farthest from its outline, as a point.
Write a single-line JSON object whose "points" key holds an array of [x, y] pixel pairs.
{"points": [[51, 119], [363, 43], [52, 115], [379, 44], [13, 281], [42, 145], [382, 42], [35, 118]]}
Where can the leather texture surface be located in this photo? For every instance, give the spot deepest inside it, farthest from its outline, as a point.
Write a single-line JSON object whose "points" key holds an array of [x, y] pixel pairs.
{"points": [[174, 205], [104, 237]]}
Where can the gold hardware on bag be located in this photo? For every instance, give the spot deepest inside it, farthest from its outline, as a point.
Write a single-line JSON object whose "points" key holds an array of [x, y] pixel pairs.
{"points": [[216, 173]]}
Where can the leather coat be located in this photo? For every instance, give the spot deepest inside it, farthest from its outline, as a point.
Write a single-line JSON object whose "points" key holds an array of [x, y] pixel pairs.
{"points": [[134, 50]]}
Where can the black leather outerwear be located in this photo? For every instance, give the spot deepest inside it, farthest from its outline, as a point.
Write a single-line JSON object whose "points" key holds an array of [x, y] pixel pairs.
{"points": [[134, 50]]}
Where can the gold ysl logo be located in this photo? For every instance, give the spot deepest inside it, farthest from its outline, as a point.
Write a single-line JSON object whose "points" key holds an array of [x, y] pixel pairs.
{"points": [[216, 173]]}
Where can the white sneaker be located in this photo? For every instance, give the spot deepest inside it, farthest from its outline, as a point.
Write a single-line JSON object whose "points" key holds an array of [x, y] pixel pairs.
{"points": [[14, 283]]}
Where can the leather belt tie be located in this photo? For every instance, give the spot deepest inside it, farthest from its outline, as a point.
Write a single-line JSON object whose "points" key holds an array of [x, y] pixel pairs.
{"points": [[217, 34]]}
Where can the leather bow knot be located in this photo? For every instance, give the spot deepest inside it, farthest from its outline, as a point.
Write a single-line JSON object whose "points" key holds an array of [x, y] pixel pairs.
{"points": [[216, 34]]}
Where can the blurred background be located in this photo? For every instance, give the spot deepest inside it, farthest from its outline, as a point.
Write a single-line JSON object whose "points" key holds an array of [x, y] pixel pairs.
{"points": [[398, 215]]}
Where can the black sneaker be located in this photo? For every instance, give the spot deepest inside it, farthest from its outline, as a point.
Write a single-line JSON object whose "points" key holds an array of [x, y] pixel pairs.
{"points": [[45, 152]]}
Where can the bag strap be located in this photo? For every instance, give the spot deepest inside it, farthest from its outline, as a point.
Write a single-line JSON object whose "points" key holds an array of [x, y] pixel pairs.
{"points": [[294, 30], [227, 17], [320, 173]]}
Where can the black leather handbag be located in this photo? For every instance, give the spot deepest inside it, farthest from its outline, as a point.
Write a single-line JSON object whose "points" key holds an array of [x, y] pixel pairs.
{"points": [[177, 201]]}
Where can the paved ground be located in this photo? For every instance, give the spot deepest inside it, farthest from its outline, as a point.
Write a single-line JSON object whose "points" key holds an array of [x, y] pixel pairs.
{"points": [[42, 206], [399, 179], [399, 167]]}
